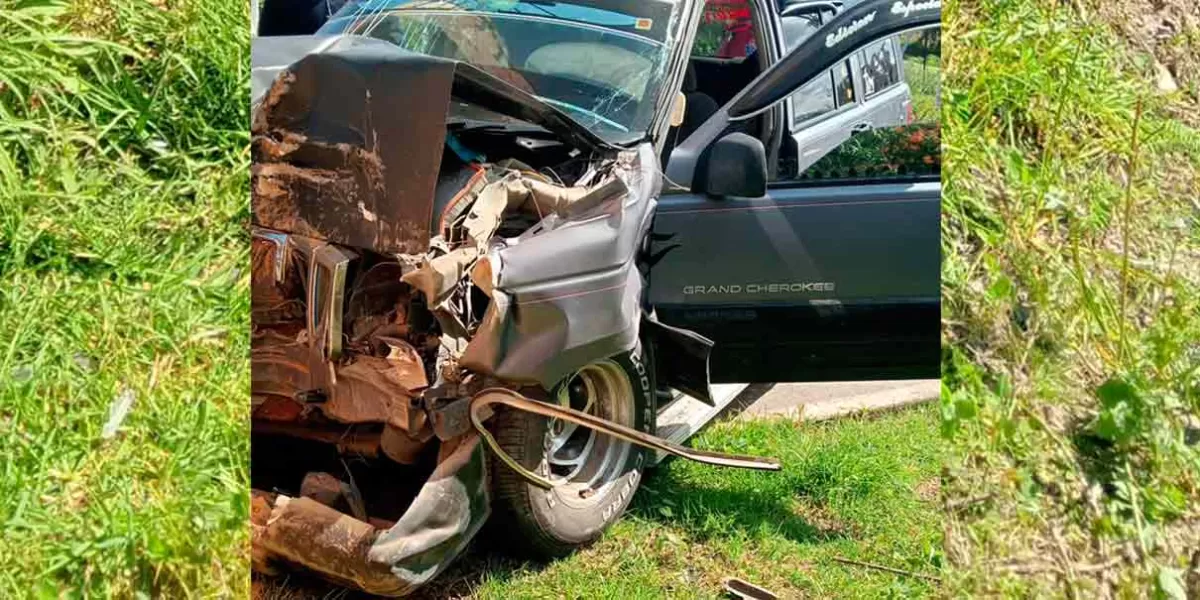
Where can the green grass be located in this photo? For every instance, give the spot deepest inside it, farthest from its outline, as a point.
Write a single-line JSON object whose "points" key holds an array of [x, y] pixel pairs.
{"points": [[123, 203], [862, 489], [923, 77], [1071, 289]]}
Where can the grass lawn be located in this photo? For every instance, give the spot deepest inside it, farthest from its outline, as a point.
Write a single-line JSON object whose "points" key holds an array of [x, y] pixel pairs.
{"points": [[923, 77], [1070, 295], [123, 199], [863, 489]]}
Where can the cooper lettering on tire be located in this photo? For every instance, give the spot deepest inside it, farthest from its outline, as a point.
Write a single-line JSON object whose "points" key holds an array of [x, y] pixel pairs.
{"points": [[601, 474]]}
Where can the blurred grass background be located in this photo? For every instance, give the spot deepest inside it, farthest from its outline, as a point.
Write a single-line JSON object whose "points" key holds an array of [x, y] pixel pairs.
{"points": [[123, 201], [1071, 297]]}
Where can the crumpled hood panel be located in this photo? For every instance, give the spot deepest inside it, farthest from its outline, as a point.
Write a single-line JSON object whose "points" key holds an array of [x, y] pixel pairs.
{"points": [[324, 166], [366, 121]]}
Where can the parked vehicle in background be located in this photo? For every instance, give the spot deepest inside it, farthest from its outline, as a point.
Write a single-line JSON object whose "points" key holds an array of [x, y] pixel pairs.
{"points": [[463, 228]]}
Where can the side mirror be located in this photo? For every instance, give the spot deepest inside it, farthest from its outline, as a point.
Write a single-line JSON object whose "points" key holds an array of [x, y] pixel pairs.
{"points": [[735, 165], [865, 22]]}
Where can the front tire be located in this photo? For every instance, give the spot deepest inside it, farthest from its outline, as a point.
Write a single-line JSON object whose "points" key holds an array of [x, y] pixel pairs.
{"points": [[602, 473]]}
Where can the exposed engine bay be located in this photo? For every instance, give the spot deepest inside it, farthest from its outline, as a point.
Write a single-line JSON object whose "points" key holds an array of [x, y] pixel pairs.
{"points": [[427, 242]]}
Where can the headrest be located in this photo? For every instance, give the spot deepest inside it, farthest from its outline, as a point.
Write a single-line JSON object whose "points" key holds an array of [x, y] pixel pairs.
{"points": [[689, 79]]}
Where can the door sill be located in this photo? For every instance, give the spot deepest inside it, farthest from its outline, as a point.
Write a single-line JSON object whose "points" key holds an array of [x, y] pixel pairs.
{"points": [[684, 416]]}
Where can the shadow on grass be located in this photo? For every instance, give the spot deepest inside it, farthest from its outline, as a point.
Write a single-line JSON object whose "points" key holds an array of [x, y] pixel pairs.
{"points": [[705, 512], [480, 561], [666, 498], [702, 513]]}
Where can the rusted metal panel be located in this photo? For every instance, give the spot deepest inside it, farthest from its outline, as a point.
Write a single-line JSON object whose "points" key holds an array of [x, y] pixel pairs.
{"points": [[323, 487], [371, 389], [331, 543], [304, 362], [443, 518], [347, 147], [400, 446]]}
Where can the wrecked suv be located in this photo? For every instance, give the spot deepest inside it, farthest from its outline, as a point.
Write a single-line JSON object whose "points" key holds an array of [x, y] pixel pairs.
{"points": [[456, 240]]}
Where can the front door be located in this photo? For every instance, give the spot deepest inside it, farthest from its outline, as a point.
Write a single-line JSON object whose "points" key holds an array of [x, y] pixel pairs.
{"points": [[833, 273]]}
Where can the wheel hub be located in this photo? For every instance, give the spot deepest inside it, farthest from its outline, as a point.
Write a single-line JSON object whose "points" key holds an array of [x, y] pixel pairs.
{"points": [[579, 455]]}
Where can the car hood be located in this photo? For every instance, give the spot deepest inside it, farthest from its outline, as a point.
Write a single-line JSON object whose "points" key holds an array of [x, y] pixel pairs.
{"points": [[271, 56]]}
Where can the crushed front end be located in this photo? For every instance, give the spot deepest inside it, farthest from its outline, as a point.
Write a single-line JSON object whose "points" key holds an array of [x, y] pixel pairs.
{"points": [[382, 302], [428, 242]]}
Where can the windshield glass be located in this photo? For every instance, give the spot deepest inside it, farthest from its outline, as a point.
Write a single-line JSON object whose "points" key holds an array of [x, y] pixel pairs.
{"points": [[599, 62]]}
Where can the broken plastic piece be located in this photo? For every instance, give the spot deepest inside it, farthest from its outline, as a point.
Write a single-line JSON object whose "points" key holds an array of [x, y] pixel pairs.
{"points": [[117, 412]]}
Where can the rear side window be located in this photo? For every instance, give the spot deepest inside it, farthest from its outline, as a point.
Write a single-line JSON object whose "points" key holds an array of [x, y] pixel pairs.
{"points": [[843, 85], [798, 26], [823, 94], [880, 69]]}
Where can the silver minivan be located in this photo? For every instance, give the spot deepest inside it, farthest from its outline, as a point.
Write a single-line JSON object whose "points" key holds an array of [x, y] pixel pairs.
{"points": [[866, 91]]}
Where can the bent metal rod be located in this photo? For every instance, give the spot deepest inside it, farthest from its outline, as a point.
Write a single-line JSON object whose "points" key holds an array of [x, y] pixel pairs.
{"points": [[480, 410]]}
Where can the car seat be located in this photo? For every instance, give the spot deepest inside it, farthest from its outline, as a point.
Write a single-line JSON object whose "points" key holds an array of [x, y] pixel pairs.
{"points": [[699, 107]]}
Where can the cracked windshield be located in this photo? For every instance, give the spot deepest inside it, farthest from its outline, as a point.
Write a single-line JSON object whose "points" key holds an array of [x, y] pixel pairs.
{"points": [[598, 62]]}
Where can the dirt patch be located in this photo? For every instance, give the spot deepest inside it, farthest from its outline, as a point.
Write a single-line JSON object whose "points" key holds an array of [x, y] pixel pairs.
{"points": [[929, 490], [1167, 29], [827, 524]]}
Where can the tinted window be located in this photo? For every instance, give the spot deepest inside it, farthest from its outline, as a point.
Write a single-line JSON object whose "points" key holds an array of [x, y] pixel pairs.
{"points": [[843, 84], [879, 67], [823, 94]]}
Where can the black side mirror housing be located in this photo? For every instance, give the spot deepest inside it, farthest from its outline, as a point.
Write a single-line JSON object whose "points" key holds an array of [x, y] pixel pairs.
{"points": [[735, 165]]}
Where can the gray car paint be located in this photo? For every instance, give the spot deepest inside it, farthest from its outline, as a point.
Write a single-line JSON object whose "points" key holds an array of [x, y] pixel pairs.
{"points": [[824, 246], [873, 242], [569, 292]]}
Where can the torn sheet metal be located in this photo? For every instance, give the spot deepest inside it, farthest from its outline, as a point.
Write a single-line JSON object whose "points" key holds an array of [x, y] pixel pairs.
{"points": [[298, 364], [514, 192], [333, 109], [568, 291], [342, 104], [446, 514]]}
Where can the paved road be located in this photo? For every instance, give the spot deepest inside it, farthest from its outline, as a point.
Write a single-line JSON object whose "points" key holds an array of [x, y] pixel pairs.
{"points": [[817, 401]]}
